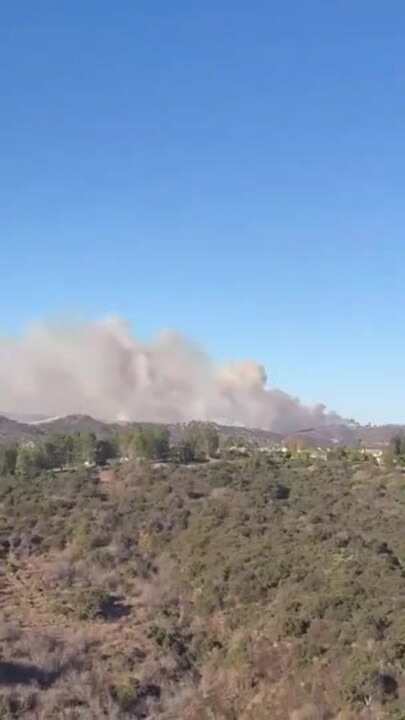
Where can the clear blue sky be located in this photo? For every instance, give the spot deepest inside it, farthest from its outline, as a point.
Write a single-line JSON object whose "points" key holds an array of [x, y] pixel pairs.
{"points": [[235, 170]]}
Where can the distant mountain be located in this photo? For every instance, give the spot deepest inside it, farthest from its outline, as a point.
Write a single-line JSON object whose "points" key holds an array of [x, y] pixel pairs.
{"points": [[339, 434], [25, 417], [74, 423], [13, 431], [324, 436], [85, 423], [375, 435], [248, 435], [317, 437]]}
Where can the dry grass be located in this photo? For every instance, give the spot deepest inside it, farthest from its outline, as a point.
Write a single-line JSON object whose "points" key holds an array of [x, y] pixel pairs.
{"points": [[59, 666]]}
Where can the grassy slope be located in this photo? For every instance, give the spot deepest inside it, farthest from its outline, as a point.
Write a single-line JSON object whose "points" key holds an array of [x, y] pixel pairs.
{"points": [[246, 590]]}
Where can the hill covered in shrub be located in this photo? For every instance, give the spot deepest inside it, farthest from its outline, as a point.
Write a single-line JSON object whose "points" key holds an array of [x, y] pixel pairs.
{"points": [[252, 588]]}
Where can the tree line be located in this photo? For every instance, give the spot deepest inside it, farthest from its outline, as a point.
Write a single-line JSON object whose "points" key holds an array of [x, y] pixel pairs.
{"points": [[69, 451]]}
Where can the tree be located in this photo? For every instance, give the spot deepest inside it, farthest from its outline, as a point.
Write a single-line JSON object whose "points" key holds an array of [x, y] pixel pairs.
{"points": [[69, 450], [123, 440], [356, 454], [106, 449], [85, 448], [151, 443], [388, 459], [337, 453], [304, 458], [53, 451], [203, 438], [29, 461], [210, 440], [397, 445], [186, 452], [8, 458]]}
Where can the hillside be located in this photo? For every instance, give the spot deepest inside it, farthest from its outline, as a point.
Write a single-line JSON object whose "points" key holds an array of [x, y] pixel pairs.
{"points": [[236, 590], [324, 436], [13, 431], [69, 424]]}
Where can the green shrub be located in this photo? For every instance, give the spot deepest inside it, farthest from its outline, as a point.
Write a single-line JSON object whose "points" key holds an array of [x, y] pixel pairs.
{"points": [[84, 604], [126, 691]]}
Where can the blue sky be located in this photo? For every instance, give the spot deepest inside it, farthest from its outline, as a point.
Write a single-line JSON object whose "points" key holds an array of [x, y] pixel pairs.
{"points": [[235, 170]]}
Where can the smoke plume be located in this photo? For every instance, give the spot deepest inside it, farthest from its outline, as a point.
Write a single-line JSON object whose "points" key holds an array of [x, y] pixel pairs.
{"points": [[102, 369]]}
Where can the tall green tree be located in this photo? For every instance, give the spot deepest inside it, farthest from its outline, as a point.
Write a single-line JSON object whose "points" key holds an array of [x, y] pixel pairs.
{"points": [[106, 449], [397, 445], [186, 452], [85, 448], [203, 438], [151, 443], [54, 451], [8, 458], [29, 461]]}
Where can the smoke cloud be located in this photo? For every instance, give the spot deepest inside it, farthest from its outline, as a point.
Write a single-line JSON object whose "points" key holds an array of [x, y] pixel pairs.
{"points": [[102, 369]]}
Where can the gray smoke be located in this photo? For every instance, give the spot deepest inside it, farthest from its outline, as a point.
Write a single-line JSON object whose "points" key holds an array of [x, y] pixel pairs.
{"points": [[102, 369]]}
